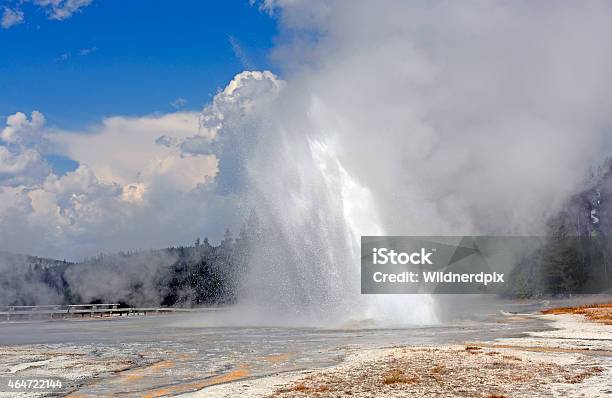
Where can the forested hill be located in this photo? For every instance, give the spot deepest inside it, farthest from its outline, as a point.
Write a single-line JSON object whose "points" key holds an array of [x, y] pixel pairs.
{"points": [[577, 254], [201, 274]]}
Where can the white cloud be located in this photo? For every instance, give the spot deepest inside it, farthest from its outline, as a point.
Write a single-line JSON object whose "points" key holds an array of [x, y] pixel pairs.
{"points": [[128, 192], [55, 9], [21, 164], [19, 130], [179, 103], [62, 9], [87, 51], [124, 149], [245, 91], [24, 168], [11, 17]]}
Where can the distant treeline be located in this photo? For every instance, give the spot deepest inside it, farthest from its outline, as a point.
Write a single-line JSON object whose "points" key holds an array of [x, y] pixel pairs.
{"points": [[577, 254], [564, 265], [201, 274]]}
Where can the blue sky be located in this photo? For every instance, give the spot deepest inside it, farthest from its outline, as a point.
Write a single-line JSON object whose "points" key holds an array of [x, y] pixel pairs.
{"points": [[117, 57]]}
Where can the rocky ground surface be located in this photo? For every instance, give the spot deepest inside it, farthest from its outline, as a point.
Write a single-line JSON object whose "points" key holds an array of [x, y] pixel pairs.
{"points": [[573, 360], [71, 365]]}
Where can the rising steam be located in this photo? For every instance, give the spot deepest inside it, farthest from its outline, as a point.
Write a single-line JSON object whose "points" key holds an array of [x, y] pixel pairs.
{"points": [[403, 119]]}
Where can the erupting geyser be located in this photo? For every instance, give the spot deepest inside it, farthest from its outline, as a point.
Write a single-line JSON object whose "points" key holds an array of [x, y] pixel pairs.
{"points": [[312, 213], [401, 119]]}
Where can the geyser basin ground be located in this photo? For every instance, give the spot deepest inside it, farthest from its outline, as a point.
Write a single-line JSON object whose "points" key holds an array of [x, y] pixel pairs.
{"points": [[167, 355]]}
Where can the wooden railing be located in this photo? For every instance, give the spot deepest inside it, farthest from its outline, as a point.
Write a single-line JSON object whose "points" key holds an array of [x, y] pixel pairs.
{"points": [[14, 312]]}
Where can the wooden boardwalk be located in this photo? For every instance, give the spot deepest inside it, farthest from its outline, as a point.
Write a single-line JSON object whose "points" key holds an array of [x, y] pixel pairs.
{"points": [[20, 312]]}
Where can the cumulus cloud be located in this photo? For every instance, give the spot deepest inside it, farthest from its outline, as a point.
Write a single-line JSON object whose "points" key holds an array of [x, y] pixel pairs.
{"points": [[21, 164], [230, 125], [128, 191], [25, 168], [11, 17], [21, 131], [138, 152]]}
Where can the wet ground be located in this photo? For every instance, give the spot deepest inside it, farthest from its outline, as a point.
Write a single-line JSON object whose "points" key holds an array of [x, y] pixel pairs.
{"points": [[167, 355]]}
